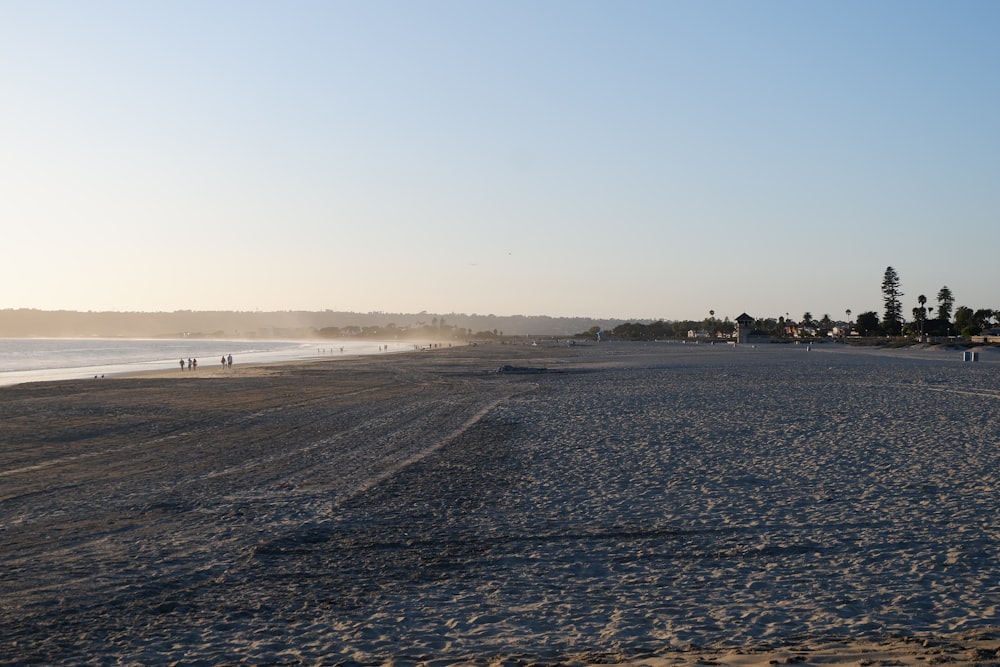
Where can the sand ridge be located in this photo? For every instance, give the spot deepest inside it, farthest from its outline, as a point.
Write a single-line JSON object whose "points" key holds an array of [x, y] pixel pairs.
{"points": [[633, 503]]}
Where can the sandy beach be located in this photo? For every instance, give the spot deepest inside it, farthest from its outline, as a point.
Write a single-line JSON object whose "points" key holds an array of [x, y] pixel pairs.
{"points": [[642, 504]]}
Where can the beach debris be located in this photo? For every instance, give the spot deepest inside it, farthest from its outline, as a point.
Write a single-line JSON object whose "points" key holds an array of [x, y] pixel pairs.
{"points": [[509, 369]]}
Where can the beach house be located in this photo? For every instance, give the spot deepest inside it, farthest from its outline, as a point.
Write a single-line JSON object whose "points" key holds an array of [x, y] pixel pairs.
{"points": [[987, 336]]}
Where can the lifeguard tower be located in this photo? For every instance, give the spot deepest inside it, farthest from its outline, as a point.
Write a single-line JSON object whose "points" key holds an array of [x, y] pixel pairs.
{"points": [[744, 325]]}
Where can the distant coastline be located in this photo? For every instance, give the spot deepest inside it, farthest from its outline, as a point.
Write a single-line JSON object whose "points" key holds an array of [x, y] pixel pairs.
{"points": [[29, 322]]}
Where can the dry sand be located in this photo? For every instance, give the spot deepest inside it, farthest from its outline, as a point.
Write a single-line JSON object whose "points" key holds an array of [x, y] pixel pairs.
{"points": [[647, 504]]}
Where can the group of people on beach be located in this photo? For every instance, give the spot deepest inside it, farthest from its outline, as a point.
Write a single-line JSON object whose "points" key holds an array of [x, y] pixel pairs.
{"points": [[192, 364]]}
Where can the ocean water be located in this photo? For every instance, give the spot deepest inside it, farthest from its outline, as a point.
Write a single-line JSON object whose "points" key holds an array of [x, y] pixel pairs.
{"points": [[39, 359]]}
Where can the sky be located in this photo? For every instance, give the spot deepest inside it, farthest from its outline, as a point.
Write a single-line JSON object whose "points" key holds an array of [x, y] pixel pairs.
{"points": [[633, 160]]}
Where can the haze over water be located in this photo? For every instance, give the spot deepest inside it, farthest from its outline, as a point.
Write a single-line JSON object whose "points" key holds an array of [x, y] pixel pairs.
{"points": [[28, 360]]}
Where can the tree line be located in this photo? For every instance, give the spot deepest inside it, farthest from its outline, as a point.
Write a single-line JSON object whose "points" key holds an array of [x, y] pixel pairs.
{"points": [[662, 329], [711, 327], [941, 320]]}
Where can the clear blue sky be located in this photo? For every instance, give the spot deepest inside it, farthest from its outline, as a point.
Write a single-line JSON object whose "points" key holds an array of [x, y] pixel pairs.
{"points": [[567, 158]]}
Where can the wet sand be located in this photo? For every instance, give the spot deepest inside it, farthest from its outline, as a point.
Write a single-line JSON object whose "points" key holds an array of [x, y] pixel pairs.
{"points": [[632, 503]]}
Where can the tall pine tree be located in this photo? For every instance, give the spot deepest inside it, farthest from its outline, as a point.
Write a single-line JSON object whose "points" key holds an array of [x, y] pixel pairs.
{"points": [[945, 303], [892, 321]]}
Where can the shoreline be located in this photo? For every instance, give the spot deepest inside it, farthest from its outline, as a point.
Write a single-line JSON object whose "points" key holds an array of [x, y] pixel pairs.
{"points": [[640, 504], [287, 351]]}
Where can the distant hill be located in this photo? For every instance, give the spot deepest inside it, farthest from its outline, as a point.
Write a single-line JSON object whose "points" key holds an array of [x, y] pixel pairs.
{"points": [[27, 323]]}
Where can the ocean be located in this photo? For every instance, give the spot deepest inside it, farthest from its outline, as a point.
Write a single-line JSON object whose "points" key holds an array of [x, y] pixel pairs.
{"points": [[40, 359]]}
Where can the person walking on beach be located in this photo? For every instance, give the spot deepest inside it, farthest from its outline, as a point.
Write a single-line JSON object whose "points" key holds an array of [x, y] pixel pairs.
{"points": [[194, 364], [230, 361], [223, 362], [182, 364]]}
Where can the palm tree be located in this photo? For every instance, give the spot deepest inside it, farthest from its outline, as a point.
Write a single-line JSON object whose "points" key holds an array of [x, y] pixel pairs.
{"points": [[922, 300]]}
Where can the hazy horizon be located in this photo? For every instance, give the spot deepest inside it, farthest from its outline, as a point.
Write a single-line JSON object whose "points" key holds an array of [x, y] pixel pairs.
{"points": [[636, 161], [386, 316]]}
